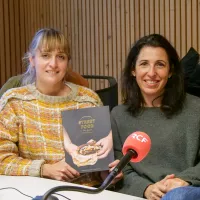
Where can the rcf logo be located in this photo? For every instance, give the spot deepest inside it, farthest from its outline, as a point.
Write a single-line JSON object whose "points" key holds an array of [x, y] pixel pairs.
{"points": [[139, 137]]}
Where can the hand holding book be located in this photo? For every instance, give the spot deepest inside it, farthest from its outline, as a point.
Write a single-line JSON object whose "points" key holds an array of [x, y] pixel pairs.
{"points": [[59, 171], [111, 166]]}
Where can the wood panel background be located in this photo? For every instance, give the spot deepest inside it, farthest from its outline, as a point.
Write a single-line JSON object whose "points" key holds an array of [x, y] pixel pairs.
{"points": [[100, 31]]}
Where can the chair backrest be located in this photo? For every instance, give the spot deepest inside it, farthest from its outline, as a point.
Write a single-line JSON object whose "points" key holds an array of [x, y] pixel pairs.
{"points": [[109, 95]]}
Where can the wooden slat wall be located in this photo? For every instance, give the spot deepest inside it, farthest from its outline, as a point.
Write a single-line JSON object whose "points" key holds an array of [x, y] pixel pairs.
{"points": [[100, 31]]}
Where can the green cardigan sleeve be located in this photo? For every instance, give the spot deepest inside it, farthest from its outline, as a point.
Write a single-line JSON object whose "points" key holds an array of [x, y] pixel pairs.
{"points": [[12, 82]]}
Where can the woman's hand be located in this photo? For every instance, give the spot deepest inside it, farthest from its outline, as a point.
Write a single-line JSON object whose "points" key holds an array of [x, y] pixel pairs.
{"points": [[111, 166], [107, 145], [60, 171], [158, 190], [175, 183]]}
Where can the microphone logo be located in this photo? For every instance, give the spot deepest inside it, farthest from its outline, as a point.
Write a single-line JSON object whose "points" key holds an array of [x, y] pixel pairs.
{"points": [[139, 137]]}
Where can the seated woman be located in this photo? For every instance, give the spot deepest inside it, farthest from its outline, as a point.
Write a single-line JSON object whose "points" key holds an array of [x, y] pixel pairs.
{"points": [[154, 101], [31, 132]]}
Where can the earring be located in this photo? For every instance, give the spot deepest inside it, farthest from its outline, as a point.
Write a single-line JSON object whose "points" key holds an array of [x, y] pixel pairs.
{"points": [[133, 74]]}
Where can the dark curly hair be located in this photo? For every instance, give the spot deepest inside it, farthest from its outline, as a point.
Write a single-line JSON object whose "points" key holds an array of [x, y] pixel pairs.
{"points": [[174, 94]]}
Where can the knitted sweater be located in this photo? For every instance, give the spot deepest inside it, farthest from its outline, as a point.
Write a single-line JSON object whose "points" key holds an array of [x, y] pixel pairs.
{"points": [[31, 130], [175, 145]]}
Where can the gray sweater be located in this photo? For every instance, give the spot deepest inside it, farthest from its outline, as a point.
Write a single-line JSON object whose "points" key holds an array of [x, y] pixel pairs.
{"points": [[175, 145]]}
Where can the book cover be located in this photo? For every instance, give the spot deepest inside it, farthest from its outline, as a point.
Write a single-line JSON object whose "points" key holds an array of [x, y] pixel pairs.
{"points": [[88, 138]]}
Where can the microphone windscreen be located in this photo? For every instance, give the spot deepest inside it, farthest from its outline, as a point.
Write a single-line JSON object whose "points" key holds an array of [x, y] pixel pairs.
{"points": [[140, 142]]}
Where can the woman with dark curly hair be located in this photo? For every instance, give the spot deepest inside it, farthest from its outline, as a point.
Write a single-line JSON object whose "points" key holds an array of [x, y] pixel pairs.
{"points": [[154, 101]]}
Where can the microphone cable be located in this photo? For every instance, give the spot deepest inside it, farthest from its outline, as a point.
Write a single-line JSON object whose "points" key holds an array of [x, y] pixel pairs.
{"points": [[12, 188], [123, 162]]}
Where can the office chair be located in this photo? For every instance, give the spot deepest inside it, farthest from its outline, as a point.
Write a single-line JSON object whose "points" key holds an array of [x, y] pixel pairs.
{"points": [[108, 95]]}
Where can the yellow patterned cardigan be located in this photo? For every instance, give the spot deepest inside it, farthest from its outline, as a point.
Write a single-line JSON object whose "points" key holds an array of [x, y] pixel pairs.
{"points": [[31, 127]]}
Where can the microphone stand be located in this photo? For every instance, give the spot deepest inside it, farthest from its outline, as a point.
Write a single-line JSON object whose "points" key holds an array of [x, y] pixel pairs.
{"points": [[123, 162]]}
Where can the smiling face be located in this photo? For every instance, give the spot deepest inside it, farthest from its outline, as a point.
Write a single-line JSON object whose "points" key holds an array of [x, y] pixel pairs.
{"points": [[50, 67], [152, 71]]}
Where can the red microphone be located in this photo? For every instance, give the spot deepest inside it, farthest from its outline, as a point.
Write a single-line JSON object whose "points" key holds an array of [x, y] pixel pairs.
{"points": [[135, 149], [139, 142]]}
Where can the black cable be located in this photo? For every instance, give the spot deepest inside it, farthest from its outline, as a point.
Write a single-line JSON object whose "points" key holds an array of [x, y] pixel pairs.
{"points": [[123, 162], [62, 196], [31, 196], [16, 190]]}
